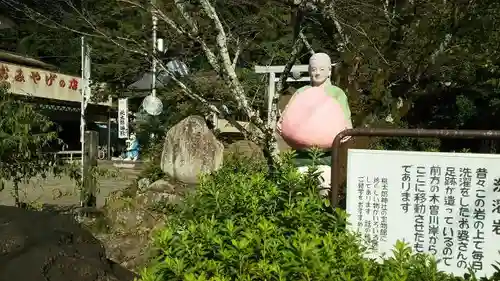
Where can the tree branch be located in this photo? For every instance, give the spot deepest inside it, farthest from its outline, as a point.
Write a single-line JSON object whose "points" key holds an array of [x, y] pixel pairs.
{"points": [[306, 43], [273, 116], [45, 21], [180, 4], [211, 57], [329, 11], [237, 89], [86, 18], [212, 107], [193, 34], [237, 53], [389, 10]]}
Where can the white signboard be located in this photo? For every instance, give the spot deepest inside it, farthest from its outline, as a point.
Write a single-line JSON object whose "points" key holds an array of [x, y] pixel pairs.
{"points": [[123, 118], [445, 204]]}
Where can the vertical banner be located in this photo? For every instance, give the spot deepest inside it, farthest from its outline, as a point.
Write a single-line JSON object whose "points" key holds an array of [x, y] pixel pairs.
{"points": [[123, 118]]}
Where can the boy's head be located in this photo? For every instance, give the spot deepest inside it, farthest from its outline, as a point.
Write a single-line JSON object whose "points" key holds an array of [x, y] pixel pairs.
{"points": [[320, 68]]}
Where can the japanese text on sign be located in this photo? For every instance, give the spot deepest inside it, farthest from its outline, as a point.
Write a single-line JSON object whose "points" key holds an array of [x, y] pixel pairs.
{"points": [[40, 83], [445, 204], [21, 74], [123, 119]]}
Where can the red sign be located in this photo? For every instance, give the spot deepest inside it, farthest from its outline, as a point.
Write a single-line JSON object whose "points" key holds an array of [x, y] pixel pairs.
{"points": [[49, 79], [73, 84], [4, 72], [19, 77], [35, 76]]}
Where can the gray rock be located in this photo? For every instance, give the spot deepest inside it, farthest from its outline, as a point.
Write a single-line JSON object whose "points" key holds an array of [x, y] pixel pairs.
{"points": [[162, 186], [133, 220], [143, 184], [130, 226], [245, 149], [190, 149]]}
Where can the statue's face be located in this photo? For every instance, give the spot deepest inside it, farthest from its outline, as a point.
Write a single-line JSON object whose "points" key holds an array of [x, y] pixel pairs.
{"points": [[319, 72]]}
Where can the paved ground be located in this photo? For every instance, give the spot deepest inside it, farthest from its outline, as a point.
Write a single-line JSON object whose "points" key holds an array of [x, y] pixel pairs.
{"points": [[62, 191]]}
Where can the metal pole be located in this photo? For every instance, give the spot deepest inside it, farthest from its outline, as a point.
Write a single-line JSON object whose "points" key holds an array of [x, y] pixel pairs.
{"points": [[82, 109], [153, 66]]}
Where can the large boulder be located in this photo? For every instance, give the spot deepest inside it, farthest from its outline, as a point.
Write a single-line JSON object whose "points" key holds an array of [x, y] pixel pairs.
{"points": [[190, 149], [244, 149], [131, 221], [40, 246]]}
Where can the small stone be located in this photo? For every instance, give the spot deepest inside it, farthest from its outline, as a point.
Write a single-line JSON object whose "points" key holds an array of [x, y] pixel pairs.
{"points": [[143, 184], [162, 186]]}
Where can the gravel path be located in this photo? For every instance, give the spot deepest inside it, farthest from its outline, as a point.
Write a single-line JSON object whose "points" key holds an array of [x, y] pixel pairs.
{"points": [[62, 191]]}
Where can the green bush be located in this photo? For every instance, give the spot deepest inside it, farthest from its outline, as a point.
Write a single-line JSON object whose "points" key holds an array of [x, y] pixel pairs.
{"points": [[245, 223], [152, 171], [26, 138]]}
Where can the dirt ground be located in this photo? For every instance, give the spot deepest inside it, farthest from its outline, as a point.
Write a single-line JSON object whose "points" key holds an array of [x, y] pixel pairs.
{"points": [[62, 190]]}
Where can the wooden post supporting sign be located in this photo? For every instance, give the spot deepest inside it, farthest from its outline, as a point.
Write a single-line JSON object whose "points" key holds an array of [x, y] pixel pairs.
{"points": [[89, 188]]}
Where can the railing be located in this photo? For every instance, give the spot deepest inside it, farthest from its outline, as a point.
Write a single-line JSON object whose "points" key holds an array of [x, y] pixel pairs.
{"points": [[70, 155], [73, 155]]}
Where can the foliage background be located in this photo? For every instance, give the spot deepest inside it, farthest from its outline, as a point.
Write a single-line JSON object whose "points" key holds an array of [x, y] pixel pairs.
{"points": [[431, 64]]}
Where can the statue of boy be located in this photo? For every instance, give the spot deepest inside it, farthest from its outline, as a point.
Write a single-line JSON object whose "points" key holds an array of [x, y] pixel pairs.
{"points": [[320, 69]]}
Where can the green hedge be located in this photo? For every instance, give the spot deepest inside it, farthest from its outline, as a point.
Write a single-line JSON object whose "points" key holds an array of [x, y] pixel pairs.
{"points": [[245, 223]]}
